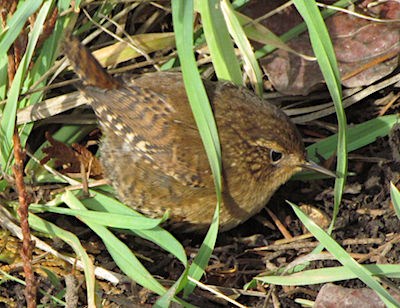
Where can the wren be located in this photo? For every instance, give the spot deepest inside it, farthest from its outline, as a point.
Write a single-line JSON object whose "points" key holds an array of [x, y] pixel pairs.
{"points": [[154, 157]]}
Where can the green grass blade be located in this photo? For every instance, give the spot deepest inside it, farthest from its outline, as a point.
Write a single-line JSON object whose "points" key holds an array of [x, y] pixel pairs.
{"points": [[112, 220], [261, 34], [120, 253], [250, 62], [223, 55], [197, 268], [38, 66], [357, 136], [395, 196], [159, 236], [72, 240], [3, 79], [330, 274], [165, 300], [16, 23], [182, 13], [183, 23], [9, 113], [323, 49]]}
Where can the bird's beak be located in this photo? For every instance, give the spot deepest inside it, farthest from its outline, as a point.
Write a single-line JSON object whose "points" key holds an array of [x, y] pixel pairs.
{"points": [[313, 166]]}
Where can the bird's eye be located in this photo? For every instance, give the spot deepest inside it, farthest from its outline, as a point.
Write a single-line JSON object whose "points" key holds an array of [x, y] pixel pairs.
{"points": [[275, 156]]}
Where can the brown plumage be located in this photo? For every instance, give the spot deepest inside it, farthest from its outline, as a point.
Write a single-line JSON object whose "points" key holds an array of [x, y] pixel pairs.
{"points": [[153, 154]]}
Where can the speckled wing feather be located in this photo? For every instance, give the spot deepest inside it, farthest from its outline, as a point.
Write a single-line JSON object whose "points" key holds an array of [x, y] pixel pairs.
{"points": [[144, 120]]}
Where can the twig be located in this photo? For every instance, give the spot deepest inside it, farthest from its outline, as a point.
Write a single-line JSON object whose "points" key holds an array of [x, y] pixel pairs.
{"points": [[280, 225], [215, 292], [27, 244]]}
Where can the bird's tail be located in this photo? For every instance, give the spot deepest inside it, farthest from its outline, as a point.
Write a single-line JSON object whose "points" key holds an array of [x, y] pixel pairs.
{"points": [[86, 66]]}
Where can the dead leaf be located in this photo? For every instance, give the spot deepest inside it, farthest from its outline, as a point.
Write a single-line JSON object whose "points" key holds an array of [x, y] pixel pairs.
{"points": [[366, 52], [334, 296], [68, 160]]}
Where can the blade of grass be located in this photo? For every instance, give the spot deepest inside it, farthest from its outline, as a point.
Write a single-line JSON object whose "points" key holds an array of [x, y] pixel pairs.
{"points": [[120, 52], [72, 240], [261, 34], [197, 268], [330, 274], [38, 66], [121, 221], [357, 136], [223, 55], [121, 254], [9, 113], [16, 23], [250, 62], [45, 58], [323, 49], [395, 196], [183, 23], [3, 80], [165, 300], [159, 236], [182, 14]]}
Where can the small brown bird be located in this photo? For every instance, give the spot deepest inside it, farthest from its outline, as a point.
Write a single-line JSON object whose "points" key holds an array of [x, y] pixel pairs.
{"points": [[153, 154]]}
